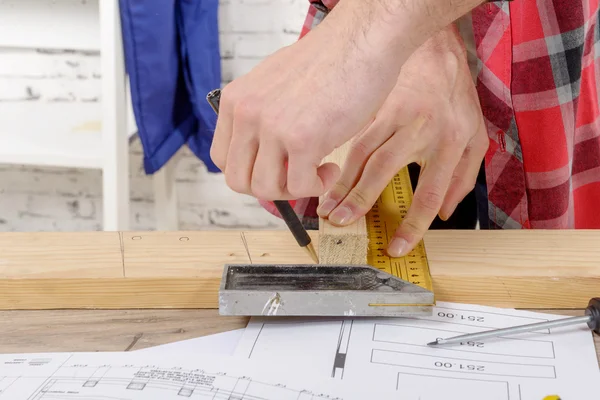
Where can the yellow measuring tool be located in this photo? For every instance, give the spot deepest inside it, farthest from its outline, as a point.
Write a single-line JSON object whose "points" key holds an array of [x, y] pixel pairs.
{"points": [[382, 221]]}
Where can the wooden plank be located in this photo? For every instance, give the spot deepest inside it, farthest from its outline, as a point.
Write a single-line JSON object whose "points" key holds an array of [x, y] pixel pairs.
{"points": [[121, 330], [520, 269], [82, 255], [516, 269], [342, 244]]}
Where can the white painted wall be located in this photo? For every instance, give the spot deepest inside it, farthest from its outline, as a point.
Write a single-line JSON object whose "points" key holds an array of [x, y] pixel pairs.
{"points": [[58, 69]]}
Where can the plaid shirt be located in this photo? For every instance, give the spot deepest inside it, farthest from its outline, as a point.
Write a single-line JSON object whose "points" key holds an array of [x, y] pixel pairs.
{"points": [[537, 73]]}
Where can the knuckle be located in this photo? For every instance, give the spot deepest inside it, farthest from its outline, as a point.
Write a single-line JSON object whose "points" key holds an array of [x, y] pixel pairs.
{"points": [[247, 109], [339, 191], [229, 96], [429, 200], [340, 188], [427, 112], [298, 190], [227, 92], [266, 194], [411, 226], [360, 149], [382, 159], [358, 199], [454, 136], [296, 142], [265, 189], [235, 184], [298, 139], [262, 191], [399, 105]]}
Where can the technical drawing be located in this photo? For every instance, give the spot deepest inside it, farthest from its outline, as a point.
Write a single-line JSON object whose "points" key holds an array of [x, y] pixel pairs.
{"points": [[393, 353], [77, 381], [339, 361]]}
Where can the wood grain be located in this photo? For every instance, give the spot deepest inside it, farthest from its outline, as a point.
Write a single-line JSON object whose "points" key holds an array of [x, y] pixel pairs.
{"points": [[120, 330], [342, 244], [82, 255], [102, 330], [517, 269]]}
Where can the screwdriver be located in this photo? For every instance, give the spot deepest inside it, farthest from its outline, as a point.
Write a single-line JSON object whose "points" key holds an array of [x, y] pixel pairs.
{"points": [[591, 318], [284, 207]]}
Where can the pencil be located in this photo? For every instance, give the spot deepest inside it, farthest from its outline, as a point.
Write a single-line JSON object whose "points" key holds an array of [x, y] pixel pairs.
{"points": [[295, 226], [284, 207]]}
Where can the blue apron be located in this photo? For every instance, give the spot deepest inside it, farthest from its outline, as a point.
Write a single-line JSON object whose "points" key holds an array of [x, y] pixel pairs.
{"points": [[172, 57]]}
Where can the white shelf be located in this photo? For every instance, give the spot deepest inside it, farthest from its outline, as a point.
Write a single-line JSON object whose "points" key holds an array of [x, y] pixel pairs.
{"points": [[53, 106], [53, 134], [50, 24]]}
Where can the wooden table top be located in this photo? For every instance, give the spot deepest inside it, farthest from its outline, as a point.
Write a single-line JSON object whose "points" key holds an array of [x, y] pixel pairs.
{"points": [[120, 330]]}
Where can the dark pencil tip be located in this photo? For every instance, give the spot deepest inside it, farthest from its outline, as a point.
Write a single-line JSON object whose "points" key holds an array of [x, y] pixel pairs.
{"points": [[432, 343]]}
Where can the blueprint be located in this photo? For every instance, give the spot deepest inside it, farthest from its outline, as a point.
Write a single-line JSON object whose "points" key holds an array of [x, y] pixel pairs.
{"points": [[136, 376], [391, 353]]}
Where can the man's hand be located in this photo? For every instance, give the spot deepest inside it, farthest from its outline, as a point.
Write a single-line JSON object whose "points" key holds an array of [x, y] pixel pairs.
{"points": [[432, 117], [279, 121]]}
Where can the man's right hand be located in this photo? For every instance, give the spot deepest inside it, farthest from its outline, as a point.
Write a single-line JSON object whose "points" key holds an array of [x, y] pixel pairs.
{"points": [[279, 121]]}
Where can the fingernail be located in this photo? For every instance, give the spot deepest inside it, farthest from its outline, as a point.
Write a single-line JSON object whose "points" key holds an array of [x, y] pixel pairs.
{"points": [[341, 216], [397, 247], [326, 207]]}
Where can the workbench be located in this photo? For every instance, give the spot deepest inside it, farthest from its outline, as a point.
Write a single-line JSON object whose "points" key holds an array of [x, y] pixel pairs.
{"points": [[109, 291], [119, 330]]}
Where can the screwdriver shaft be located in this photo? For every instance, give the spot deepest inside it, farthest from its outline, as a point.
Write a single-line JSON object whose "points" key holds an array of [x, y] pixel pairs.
{"points": [[513, 330]]}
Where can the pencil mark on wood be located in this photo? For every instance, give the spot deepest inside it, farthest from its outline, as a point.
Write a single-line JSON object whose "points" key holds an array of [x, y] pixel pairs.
{"points": [[246, 246], [122, 246], [507, 291]]}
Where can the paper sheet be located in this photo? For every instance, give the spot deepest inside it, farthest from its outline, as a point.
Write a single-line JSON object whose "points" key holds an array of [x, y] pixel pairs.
{"points": [[139, 376], [392, 354], [221, 343]]}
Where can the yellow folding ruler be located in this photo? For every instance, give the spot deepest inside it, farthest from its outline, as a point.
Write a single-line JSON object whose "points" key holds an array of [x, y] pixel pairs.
{"points": [[382, 221]]}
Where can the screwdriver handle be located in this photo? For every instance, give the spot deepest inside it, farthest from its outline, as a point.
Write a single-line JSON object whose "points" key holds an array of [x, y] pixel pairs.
{"points": [[214, 99], [593, 310]]}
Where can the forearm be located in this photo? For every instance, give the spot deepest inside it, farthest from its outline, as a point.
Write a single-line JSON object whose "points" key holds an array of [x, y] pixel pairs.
{"points": [[444, 46], [392, 29], [419, 20], [439, 64]]}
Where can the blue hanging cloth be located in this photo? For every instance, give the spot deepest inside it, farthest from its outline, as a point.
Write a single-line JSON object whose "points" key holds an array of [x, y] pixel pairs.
{"points": [[172, 57]]}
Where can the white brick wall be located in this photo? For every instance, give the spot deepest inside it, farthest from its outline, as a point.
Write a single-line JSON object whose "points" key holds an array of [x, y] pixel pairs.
{"points": [[35, 198]]}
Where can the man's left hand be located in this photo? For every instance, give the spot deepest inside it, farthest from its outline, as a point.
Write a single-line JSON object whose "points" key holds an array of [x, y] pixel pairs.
{"points": [[432, 117]]}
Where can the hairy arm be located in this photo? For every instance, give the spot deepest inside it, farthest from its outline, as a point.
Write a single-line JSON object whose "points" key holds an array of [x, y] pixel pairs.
{"points": [[392, 28], [278, 122]]}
